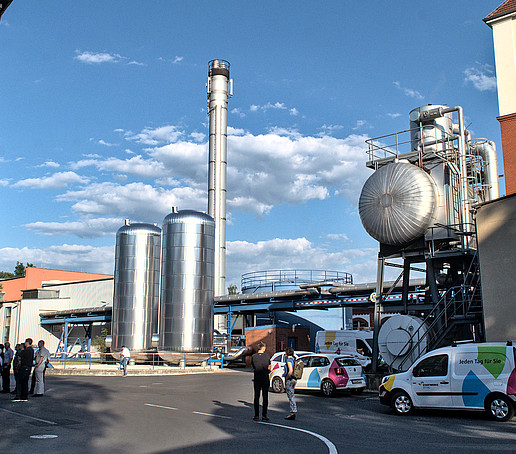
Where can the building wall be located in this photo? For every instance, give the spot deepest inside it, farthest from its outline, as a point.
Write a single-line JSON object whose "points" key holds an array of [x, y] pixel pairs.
{"points": [[504, 40], [508, 132], [496, 229], [25, 314], [34, 277]]}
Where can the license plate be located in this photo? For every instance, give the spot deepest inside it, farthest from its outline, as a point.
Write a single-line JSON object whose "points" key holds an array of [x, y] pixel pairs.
{"points": [[356, 381]]}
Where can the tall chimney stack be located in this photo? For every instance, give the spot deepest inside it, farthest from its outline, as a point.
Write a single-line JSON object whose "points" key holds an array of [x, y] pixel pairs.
{"points": [[219, 89]]}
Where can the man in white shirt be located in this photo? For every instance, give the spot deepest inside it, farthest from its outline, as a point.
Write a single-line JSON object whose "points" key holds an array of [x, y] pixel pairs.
{"points": [[41, 359], [124, 358]]}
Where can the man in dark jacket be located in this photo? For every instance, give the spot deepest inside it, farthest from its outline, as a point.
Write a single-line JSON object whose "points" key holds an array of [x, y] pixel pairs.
{"points": [[261, 363], [26, 361]]}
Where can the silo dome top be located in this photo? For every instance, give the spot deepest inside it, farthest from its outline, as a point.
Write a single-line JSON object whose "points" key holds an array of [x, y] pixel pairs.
{"points": [[130, 229], [188, 215]]}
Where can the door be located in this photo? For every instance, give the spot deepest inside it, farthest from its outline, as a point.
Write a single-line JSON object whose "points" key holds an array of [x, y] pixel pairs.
{"points": [[431, 382], [317, 369]]}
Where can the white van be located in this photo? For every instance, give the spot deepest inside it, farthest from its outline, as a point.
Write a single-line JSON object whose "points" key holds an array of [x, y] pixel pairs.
{"points": [[467, 376], [356, 342]]}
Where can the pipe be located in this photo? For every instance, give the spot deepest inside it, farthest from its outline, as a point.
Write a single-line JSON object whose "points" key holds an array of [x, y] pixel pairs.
{"points": [[487, 149], [241, 352], [218, 90]]}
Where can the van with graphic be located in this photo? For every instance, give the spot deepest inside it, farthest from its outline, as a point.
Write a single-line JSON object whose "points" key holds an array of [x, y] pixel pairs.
{"points": [[467, 376], [359, 343]]}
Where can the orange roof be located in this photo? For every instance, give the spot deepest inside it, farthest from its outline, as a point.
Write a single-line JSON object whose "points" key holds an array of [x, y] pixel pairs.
{"points": [[507, 7], [34, 277]]}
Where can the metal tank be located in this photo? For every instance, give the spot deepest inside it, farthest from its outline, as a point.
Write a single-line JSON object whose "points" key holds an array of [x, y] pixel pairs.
{"points": [[187, 282], [398, 203], [402, 339], [430, 132], [136, 288]]}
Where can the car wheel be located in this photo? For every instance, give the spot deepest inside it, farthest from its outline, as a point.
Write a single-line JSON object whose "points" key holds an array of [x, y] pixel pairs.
{"points": [[277, 385], [499, 407], [328, 387], [401, 403]]}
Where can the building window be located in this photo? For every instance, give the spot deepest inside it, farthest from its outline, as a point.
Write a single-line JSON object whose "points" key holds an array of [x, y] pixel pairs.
{"points": [[7, 324]]}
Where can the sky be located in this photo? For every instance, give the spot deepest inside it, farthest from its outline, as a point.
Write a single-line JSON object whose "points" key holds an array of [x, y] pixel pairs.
{"points": [[103, 118]]}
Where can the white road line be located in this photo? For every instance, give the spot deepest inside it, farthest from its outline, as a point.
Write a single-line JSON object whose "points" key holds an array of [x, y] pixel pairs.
{"points": [[209, 414], [161, 406], [331, 447], [30, 417]]}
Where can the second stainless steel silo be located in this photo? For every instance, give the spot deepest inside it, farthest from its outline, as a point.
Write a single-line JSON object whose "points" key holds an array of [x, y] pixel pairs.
{"points": [[187, 283], [136, 288]]}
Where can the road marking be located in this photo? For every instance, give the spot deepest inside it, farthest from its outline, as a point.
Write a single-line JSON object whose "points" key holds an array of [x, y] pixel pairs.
{"points": [[30, 417], [331, 447], [161, 406], [209, 414], [43, 437]]}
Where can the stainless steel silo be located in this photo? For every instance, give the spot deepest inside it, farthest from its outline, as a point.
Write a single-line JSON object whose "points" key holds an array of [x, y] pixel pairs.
{"points": [[187, 286], [136, 288]]}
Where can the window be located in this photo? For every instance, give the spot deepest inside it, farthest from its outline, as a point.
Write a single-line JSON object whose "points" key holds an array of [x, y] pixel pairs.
{"points": [[305, 360], [7, 323], [434, 366], [343, 362], [363, 348], [279, 358], [319, 361]]}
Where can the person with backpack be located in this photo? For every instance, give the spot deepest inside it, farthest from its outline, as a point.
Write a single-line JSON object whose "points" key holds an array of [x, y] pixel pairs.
{"points": [[290, 382]]}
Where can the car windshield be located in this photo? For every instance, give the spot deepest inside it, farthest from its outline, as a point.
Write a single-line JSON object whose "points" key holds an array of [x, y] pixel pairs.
{"points": [[342, 362]]}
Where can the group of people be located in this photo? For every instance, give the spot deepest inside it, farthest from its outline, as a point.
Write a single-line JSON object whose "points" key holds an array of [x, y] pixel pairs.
{"points": [[23, 361], [261, 363]]}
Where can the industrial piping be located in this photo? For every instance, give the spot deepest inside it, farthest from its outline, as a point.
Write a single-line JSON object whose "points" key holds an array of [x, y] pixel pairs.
{"points": [[219, 88]]}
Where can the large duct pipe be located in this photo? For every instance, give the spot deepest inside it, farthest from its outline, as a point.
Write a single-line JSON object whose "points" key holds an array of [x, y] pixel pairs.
{"points": [[487, 149], [218, 90]]}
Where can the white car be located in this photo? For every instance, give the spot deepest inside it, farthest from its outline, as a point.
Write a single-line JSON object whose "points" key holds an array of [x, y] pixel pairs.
{"points": [[278, 359], [324, 372]]}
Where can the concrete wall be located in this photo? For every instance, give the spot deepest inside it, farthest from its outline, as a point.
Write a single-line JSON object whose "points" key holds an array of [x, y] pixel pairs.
{"points": [[496, 228]]}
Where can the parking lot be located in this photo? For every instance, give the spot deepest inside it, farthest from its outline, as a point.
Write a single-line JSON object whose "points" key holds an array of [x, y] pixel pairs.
{"points": [[213, 413]]}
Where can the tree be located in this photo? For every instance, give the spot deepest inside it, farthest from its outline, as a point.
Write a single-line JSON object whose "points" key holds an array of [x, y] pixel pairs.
{"points": [[100, 341], [19, 269], [232, 289], [6, 275]]}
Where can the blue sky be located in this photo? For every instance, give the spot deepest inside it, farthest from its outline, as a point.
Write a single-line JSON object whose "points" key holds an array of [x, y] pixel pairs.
{"points": [[103, 108]]}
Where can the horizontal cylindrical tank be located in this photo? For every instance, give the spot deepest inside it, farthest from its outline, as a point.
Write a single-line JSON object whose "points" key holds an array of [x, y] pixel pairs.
{"points": [[401, 340], [398, 203], [136, 287], [187, 282]]}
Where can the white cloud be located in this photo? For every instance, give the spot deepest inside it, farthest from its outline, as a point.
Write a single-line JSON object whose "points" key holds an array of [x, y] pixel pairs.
{"points": [[4, 182], [95, 58], [411, 93], [177, 59], [362, 124], [273, 106], [197, 136], [57, 180], [482, 77], [155, 136], [294, 112], [135, 165], [394, 115], [238, 111], [49, 164], [136, 200], [88, 228], [338, 236], [66, 256]]}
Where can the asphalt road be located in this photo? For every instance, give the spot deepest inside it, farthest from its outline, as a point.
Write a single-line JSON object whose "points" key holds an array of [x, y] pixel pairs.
{"points": [[213, 414]]}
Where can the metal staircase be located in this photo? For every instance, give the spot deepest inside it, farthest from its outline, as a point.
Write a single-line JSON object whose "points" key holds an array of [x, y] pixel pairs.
{"points": [[457, 316]]}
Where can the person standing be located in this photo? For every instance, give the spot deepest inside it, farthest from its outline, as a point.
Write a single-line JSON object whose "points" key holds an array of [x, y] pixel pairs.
{"points": [[42, 357], [290, 382], [124, 358], [6, 370], [26, 360], [16, 367], [261, 363]]}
